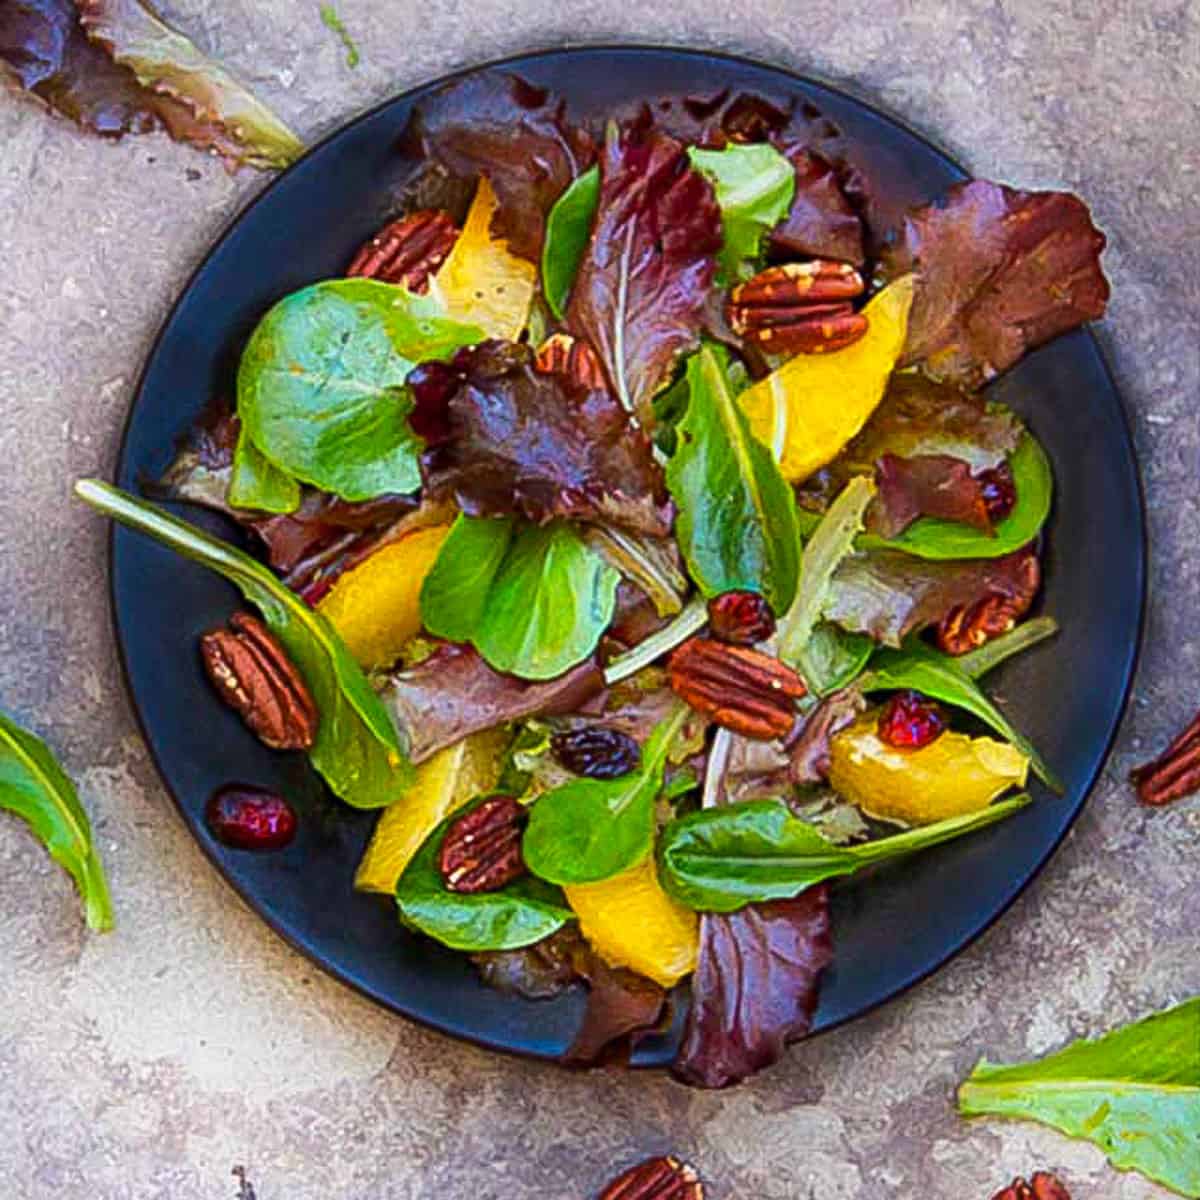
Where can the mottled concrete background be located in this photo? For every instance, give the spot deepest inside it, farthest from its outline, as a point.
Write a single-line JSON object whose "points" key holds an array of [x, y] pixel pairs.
{"points": [[148, 1063]]}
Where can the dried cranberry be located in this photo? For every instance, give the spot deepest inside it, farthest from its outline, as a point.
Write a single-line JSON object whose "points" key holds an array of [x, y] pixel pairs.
{"points": [[910, 721], [999, 491], [596, 752], [250, 818], [432, 384], [742, 618]]}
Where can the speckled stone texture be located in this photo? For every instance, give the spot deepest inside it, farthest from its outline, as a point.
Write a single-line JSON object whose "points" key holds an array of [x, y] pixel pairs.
{"points": [[150, 1062]]}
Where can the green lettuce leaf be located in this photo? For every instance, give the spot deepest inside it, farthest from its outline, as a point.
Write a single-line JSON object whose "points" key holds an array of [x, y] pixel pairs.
{"points": [[592, 829], [721, 859], [356, 748], [567, 230], [226, 116], [737, 516], [523, 912], [754, 186], [256, 485], [321, 384], [35, 787], [533, 601], [1134, 1092]]}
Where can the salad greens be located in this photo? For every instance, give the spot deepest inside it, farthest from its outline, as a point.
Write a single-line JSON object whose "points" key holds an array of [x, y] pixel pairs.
{"points": [[737, 516], [321, 387], [533, 601], [519, 914], [754, 185], [720, 859], [255, 484], [1134, 1092], [567, 229], [36, 788], [592, 829], [356, 748]]}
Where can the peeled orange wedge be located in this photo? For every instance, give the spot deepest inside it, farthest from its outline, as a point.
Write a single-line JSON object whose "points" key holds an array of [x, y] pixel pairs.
{"points": [[631, 922], [808, 409], [443, 783], [376, 606], [481, 283], [950, 777]]}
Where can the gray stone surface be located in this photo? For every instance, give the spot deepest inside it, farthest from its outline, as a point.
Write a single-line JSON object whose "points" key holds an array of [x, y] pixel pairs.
{"points": [[148, 1063]]}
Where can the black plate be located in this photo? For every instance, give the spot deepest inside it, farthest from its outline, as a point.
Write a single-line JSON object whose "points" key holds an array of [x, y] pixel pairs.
{"points": [[892, 928]]}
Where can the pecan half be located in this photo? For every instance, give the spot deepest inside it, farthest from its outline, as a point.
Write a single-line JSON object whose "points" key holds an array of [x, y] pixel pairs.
{"points": [[665, 1178], [799, 308], [562, 354], [740, 617], [1043, 1186], [253, 675], [967, 626], [407, 251], [745, 690], [1174, 773], [481, 851]]}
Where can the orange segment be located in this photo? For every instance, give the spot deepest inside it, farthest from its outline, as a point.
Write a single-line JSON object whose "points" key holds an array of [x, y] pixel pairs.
{"points": [[631, 922], [808, 409], [950, 777], [376, 606], [481, 283], [443, 783]]}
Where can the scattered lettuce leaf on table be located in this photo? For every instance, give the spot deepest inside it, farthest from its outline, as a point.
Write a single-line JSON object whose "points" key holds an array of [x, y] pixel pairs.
{"points": [[1000, 272], [505, 439], [1135, 1093], [356, 748], [642, 290], [35, 788]]}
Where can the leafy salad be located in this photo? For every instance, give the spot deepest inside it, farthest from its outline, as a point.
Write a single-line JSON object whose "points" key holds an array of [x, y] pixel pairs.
{"points": [[637, 537]]}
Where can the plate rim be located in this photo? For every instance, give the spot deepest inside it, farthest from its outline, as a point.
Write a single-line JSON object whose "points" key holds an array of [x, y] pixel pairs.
{"points": [[843, 89]]}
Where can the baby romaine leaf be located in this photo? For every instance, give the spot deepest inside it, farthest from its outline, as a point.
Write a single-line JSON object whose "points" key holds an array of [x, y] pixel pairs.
{"points": [[517, 915], [754, 186], [533, 603], [831, 539], [920, 667], [721, 859], [737, 524], [256, 485], [36, 788], [994, 651], [567, 230], [642, 290], [321, 383], [592, 829], [1134, 1092], [356, 748], [754, 988]]}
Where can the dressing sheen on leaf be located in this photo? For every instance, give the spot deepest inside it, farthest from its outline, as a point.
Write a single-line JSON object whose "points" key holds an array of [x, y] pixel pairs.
{"points": [[1134, 1092], [321, 383], [721, 859], [591, 829], [737, 516], [533, 602], [356, 748], [754, 186], [641, 292], [519, 914], [36, 788]]}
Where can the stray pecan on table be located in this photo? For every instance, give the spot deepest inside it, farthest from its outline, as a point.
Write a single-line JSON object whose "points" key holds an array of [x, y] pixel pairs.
{"points": [[799, 308], [254, 675], [481, 851], [407, 251], [1043, 1186], [748, 692], [664, 1178], [1175, 773]]}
